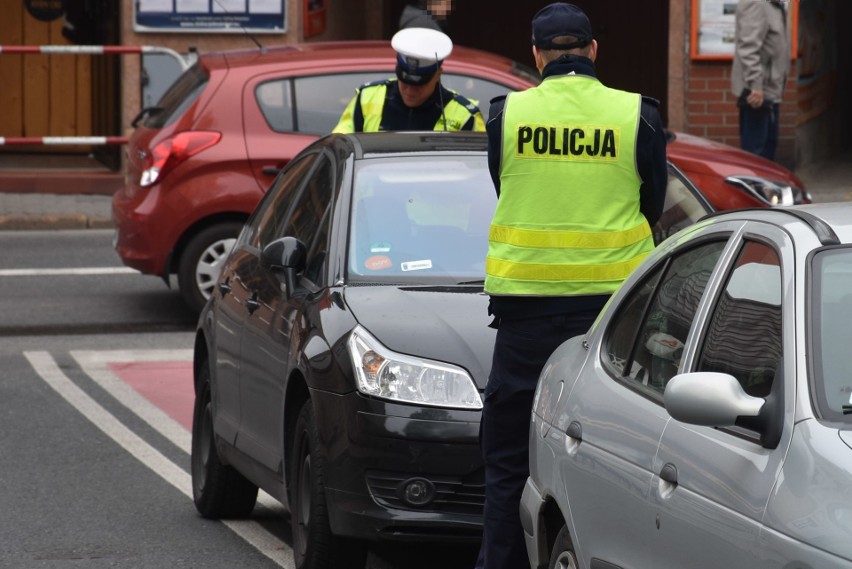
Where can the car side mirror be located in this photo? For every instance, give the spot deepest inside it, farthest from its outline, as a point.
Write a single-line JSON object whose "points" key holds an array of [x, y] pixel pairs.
{"points": [[286, 255], [710, 399]]}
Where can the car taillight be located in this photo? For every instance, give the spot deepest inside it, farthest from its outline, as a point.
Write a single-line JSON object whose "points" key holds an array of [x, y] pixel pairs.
{"points": [[169, 153]]}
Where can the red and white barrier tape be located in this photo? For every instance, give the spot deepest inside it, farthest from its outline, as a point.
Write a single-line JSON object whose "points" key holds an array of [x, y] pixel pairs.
{"points": [[49, 140]]}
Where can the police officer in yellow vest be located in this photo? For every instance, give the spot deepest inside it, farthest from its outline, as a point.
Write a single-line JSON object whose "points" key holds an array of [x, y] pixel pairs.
{"points": [[580, 171], [415, 100]]}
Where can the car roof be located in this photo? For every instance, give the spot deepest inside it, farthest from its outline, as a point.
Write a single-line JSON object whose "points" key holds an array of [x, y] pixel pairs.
{"points": [[830, 222], [371, 144], [374, 52]]}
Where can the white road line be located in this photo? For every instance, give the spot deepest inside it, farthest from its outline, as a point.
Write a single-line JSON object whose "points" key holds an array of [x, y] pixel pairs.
{"points": [[95, 364], [79, 271], [250, 531]]}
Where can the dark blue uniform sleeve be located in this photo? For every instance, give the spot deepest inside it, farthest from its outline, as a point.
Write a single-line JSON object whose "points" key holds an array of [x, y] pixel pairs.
{"points": [[494, 129], [651, 161]]}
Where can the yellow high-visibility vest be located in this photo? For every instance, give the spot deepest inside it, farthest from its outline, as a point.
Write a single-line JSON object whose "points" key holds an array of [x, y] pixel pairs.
{"points": [[457, 111], [568, 220]]}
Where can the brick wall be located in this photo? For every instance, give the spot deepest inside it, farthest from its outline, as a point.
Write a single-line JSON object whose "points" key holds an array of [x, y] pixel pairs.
{"points": [[711, 109]]}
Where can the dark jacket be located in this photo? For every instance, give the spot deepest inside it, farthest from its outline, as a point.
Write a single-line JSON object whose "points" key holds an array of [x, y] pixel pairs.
{"points": [[650, 163]]}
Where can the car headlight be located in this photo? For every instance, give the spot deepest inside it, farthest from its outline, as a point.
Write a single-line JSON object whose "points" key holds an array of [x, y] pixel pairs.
{"points": [[771, 192], [382, 373]]}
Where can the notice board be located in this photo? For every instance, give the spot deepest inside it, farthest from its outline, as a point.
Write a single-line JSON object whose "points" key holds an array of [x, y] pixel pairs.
{"points": [[714, 25], [199, 16]]}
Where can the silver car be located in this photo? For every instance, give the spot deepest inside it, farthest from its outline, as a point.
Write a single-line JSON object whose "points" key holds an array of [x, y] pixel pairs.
{"points": [[706, 418]]}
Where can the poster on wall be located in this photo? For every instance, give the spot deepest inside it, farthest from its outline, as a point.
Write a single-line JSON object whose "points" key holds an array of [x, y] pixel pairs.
{"points": [[213, 16], [714, 28], [314, 17]]}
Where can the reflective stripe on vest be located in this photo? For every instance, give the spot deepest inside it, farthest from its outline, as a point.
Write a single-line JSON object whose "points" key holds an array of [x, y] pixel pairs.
{"points": [[568, 219], [373, 103]]}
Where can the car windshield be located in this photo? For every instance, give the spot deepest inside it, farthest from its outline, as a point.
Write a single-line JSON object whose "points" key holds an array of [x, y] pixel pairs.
{"points": [[420, 220], [832, 335]]}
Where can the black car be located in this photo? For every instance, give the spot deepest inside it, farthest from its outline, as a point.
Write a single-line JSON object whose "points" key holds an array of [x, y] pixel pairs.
{"points": [[340, 363]]}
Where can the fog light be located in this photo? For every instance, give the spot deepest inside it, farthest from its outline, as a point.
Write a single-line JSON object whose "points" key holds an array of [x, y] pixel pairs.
{"points": [[418, 491]]}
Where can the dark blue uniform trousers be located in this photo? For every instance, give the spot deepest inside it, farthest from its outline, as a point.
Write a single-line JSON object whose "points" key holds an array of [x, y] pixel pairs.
{"points": [[520, 352], [759, 130]]}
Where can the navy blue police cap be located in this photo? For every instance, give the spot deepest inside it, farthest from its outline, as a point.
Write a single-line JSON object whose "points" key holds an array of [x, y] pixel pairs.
{"points": [[561, 19]]}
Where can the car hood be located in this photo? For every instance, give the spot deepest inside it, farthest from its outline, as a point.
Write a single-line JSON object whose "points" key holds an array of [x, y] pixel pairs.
{"points": [[694, 153], [447, 324]]}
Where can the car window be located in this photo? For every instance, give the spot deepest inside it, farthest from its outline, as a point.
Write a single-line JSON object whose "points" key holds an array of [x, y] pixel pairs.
{"points": [[743, 336], [310, 218], [481, 91], [832, 334], [267, 222], [646, 338], [321, 99], [177, 99], [275, 100], [684, 206], [420, 220]]}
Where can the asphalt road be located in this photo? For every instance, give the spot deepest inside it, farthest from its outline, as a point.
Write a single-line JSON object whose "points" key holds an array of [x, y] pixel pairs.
{"points": [[95, 420]]}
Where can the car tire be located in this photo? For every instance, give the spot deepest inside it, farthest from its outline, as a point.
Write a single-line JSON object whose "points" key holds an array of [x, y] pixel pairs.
{"points": [[314, 546], [218, 490], [201, 262], [562, 555]]}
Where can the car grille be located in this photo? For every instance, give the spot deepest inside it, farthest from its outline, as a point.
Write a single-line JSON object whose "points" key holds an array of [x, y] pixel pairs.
{"points": [[452, 494]]}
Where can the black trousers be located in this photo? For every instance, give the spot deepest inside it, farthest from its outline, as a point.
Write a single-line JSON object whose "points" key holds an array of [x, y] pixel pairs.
{"points": [[520, 353]]}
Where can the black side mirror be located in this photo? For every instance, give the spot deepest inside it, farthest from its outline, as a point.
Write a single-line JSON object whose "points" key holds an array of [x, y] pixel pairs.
{"points": [[286, 255]]}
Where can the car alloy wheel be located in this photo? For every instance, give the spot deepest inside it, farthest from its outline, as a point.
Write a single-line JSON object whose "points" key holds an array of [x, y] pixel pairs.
{"points": [[202, 260], [562, 556]]}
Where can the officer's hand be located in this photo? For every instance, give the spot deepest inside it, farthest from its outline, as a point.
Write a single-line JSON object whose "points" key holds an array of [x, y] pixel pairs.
{"points": [[755, 99]]}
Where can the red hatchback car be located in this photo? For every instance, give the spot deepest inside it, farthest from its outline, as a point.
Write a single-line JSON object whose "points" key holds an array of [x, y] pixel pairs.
{"points": [[200, 160]]}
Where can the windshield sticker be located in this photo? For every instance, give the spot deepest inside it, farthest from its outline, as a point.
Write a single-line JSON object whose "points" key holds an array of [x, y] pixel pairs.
{"points": [[417, 265], [380, 247], [378, 263]]}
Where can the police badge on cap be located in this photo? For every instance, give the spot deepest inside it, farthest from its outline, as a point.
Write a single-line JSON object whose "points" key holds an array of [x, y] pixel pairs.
{"points": [[419, 53]]}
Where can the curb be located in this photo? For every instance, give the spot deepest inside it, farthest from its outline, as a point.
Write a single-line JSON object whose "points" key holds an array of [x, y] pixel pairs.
{"points": [[35, 222]]}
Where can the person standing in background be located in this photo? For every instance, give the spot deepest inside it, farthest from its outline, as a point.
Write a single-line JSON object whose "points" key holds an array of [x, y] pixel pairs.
{"points": [[759, 73], [427, 14]]}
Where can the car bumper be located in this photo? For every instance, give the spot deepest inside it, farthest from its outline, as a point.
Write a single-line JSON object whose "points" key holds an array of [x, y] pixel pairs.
{"points": [[140, 236], [532, 505], [401, 472]]}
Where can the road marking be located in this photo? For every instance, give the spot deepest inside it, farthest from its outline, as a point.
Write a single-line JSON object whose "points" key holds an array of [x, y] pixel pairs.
{"points": [[252, 532], [96, 364], [80, 271]]}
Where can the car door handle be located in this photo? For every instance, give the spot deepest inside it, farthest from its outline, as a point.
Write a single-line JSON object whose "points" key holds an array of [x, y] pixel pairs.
{"points": [[225, 286], [270, 170], [252, 304], [669, 473]]}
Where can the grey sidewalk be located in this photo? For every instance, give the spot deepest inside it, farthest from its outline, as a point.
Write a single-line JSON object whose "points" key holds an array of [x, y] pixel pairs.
{"points": [[54, 211], [827, 182]]}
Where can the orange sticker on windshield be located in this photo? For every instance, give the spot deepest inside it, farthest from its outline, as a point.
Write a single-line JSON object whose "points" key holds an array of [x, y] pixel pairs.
{"points": [[378, 263]]}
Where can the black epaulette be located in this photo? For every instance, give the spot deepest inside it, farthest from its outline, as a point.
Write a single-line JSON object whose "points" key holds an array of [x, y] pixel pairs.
{"points": [[497, 99], [376, 83], [651, 101], [465, 102]]}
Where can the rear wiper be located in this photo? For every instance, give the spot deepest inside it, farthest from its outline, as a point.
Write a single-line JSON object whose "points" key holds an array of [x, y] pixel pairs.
{"points": [[479, 282], [145, 112]]}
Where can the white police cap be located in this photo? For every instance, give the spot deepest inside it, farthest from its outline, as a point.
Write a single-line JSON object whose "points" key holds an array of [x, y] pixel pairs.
{"points": [[420, 48]]}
